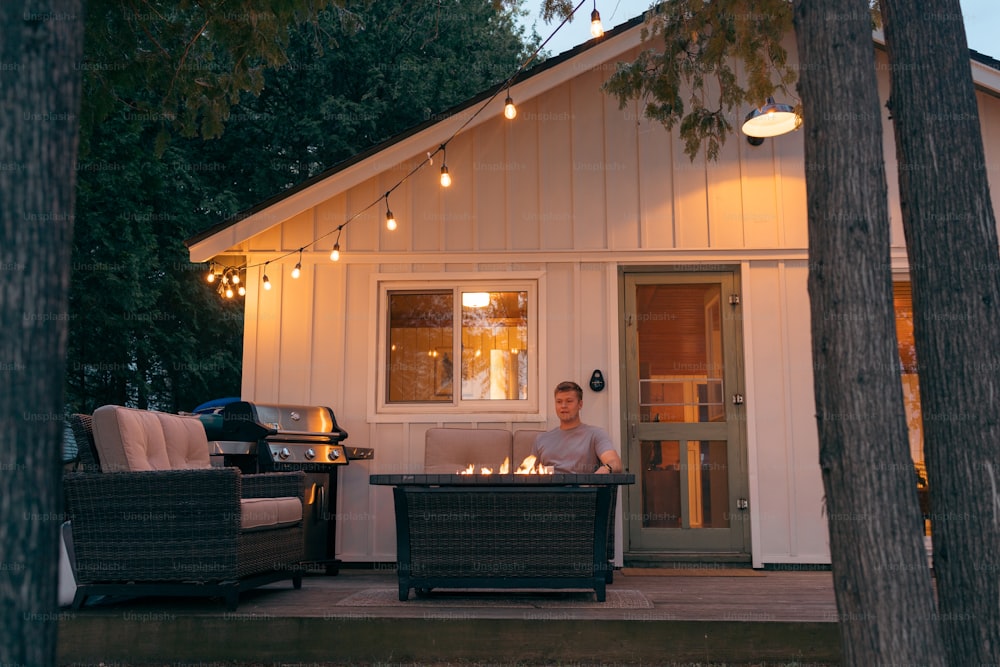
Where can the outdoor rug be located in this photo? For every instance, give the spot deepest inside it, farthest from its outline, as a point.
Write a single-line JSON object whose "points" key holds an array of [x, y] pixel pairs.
{"points": [[690, 572], [389, 597]]}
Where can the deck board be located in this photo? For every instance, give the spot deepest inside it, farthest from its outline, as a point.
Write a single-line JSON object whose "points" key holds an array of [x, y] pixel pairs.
{"points": [[776, 616]]}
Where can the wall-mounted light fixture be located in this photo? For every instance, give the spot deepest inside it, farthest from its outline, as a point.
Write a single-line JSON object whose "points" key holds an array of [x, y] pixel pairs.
{"points": [[770, 120]]}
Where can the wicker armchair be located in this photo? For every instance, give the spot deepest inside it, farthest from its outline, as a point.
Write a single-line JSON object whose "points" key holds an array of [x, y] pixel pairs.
{"points": [[194, 530]]}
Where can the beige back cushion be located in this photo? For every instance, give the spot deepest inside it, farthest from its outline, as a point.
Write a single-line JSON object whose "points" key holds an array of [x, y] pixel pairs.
{"points": [[449, 450], [524, 440], [187, 444], [137, 440]]}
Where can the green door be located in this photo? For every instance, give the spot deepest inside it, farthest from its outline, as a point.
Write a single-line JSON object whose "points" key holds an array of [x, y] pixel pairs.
{"points": [[685, 419]]}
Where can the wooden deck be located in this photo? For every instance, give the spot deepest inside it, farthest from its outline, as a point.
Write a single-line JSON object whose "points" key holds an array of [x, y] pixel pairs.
{"points": [[681, 617]]}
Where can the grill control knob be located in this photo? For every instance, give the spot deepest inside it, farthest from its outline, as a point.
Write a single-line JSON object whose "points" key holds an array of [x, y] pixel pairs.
{"points": [[284, 453], [310, 454], [333, 455]]}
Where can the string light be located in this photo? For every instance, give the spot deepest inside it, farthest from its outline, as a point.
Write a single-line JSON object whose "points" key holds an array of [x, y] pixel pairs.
{"points": [[390, 219], [335, 254], [224, 278], [445, 176], [596, 29], [510, 112]]}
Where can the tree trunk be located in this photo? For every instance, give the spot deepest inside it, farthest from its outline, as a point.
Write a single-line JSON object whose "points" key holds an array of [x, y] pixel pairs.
{"points": [[951, 241], [881, 581], [40, 51]]}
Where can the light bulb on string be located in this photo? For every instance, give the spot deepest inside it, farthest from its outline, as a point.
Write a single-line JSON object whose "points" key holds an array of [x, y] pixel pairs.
{"points": [[229, 292], [211, 274], [236, 277], [509, 110], [242, 291], [596, 29], [445, 176], [267, 283], [335, 254], [297, 271], [390, 219]]}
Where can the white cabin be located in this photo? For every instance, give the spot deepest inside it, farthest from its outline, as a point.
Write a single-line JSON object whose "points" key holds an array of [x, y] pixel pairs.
{"points": [[600, 246]]}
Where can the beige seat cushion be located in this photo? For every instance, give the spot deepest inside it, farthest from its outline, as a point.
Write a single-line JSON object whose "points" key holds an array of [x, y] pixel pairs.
{"points": [[449, 450], [137, 440], [269, 513]]}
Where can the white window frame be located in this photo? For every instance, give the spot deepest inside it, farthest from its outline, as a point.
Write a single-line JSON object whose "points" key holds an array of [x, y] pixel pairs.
{"points": [[464, 410]]}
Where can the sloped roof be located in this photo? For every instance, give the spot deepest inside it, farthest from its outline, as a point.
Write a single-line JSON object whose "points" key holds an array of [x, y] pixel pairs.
{"points": [[431, 133]]}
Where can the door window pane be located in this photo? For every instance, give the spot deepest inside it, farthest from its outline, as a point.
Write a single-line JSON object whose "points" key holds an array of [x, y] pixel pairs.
{"points": [[680, 353], [708, 485], [661, 484], [685, 484]]}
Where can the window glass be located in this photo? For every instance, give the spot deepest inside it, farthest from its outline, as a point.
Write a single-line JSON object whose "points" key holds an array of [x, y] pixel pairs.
{"points": [[903, 301], [494, 345], [462, 345], [419, 367]]}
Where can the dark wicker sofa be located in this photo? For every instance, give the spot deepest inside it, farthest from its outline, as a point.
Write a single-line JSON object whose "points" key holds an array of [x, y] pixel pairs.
{"points": [[158, 519]]}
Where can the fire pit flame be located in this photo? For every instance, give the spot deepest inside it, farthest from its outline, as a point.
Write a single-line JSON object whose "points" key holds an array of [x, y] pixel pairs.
{"points": [[471, 470], [528, 466]]}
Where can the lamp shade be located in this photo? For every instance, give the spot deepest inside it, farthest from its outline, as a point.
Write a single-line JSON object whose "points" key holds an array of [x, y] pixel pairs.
{"points": [[475, 299], [771, 120]]}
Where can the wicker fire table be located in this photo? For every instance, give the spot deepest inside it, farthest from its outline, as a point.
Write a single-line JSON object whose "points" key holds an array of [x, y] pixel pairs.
{"points": [[503, 531]]}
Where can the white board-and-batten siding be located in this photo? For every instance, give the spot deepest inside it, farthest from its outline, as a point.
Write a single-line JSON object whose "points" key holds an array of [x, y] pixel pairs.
{"points": [[571, 190]]}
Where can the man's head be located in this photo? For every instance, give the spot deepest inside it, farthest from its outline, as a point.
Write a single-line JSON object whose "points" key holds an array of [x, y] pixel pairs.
{"points": [[569, 385], [569, 400]]}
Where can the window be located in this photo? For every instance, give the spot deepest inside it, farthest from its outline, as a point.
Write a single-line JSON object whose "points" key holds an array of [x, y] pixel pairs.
{"points": [[465, 347], [908, 370]]}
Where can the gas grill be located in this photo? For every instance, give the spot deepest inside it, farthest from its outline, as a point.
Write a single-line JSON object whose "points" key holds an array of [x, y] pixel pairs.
{"points": [[258, 437], [286, 437]]}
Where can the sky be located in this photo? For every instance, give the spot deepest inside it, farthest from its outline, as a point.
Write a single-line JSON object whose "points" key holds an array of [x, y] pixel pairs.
{"points": [[982, 23]]}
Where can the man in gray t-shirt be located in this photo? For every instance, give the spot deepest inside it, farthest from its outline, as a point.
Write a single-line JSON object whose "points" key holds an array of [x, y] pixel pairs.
{"points": [[575, 447]]}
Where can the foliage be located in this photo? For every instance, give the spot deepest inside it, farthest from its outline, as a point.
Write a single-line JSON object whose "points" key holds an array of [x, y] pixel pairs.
{"points": [[398, 65], [182, 64], [146, 329]]}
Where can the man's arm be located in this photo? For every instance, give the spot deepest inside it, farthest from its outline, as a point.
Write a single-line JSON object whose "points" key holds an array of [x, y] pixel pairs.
{"points": [[609, 458]]}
